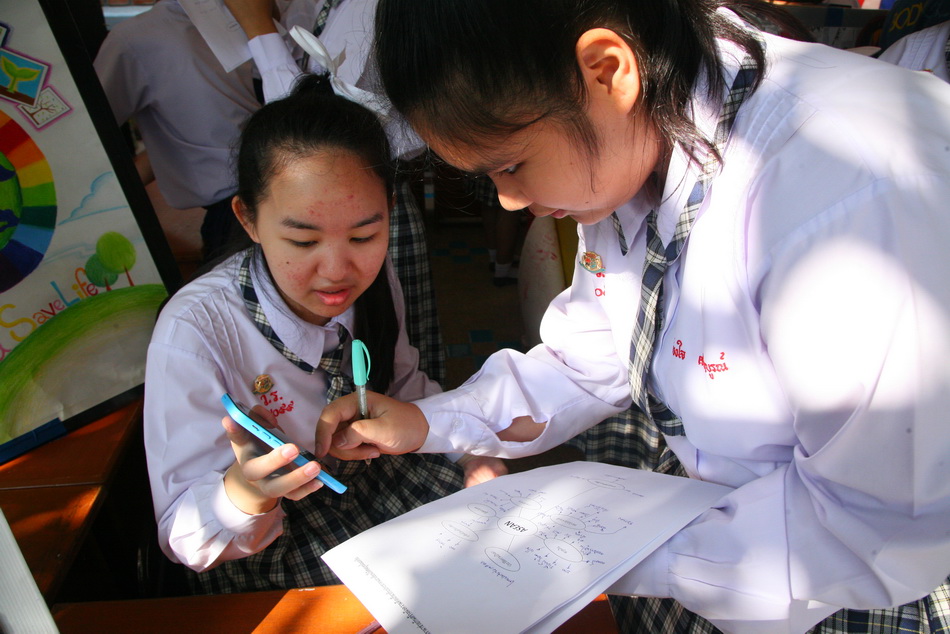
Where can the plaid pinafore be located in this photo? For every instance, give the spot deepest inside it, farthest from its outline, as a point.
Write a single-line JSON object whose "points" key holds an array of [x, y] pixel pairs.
{"points": [[379, 491]]}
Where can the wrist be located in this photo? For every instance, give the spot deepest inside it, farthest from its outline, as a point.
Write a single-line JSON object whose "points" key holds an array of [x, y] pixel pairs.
{"points": [[246, 497], [259, 27]]}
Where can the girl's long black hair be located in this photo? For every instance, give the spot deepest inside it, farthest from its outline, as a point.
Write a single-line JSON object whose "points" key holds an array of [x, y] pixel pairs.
{"points": [[467, 71], [309, 120]]}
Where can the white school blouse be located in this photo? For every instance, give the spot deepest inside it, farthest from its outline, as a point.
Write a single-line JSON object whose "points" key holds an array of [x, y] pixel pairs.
{"points": [[205, 344], [805, 344], [924, 50]]}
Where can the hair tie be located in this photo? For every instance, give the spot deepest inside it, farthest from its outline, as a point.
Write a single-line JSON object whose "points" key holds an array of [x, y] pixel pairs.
{"points": [[320, 55]]}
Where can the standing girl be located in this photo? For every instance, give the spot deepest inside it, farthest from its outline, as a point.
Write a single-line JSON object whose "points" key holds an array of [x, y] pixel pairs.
{"points": [[272, 325], [762, 273]]}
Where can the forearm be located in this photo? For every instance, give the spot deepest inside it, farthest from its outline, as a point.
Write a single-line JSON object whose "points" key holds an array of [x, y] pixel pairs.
{"points": [[515, 406], [204, 528], [256, 17]]}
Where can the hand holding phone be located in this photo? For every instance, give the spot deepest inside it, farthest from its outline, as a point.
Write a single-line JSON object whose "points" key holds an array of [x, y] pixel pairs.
{"points": [[241, 415]]}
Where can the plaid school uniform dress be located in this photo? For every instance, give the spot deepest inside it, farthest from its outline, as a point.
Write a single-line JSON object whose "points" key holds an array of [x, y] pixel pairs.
{"points": [[409, 254], [384, 488]]}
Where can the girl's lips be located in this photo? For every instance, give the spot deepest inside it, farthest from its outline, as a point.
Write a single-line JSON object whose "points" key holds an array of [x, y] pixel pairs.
{"points": [[559, 213], [334, 298]]}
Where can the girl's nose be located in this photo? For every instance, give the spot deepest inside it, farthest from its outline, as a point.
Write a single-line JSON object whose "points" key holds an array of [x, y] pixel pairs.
{"points": [[509, 194], [334, 264]]}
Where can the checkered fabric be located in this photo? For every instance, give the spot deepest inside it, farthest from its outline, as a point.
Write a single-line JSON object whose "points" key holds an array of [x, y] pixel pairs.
{"points": [[929, 615], [339, 384], [257, 313], [946, 54], [319, 23], [410, 257], [628, 439], [659, 257], [376, 492], [386, 488], [619, 229]]}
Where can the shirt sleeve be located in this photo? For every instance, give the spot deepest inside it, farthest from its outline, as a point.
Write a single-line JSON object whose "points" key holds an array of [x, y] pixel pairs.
{"points": [[855, 317], [572, 381], [121, 75], [276, 65], [187, 454]]}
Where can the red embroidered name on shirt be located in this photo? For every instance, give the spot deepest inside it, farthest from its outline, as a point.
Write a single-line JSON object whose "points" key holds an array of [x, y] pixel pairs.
{"points": [[678, 351], [712, 368], [273, 398]]}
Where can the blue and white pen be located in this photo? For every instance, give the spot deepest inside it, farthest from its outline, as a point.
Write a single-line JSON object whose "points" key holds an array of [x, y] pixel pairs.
{"points": [[361, 366]]}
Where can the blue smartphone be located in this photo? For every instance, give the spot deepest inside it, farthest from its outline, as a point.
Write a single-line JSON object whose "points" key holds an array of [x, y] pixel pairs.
{"points": [[241, 415]]}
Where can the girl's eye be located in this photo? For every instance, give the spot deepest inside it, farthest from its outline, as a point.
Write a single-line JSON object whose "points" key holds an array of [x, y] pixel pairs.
{"points": [[510, 169], [302, 245], [363, 239]]}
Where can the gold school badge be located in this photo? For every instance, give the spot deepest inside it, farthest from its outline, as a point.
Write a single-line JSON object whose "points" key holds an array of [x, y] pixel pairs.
{"points": [[262, 384], [592, 262]]}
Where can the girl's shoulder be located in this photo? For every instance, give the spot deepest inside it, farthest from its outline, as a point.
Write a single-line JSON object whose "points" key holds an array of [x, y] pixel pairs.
{"points": [[206, 299]]}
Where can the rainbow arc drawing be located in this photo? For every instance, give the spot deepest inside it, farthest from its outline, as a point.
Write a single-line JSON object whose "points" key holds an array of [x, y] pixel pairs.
{"points": [[27, 204]]}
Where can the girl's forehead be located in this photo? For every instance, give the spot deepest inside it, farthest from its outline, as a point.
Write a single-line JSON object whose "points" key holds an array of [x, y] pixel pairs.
{"points": [[480, 156]]}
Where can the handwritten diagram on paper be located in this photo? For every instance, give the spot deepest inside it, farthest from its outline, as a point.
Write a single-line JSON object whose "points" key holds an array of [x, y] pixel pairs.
{"points": [[518, 527], [522, 552]]}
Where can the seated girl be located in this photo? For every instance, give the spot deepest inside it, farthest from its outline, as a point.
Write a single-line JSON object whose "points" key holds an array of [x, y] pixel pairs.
{"points": [[273, 326]]}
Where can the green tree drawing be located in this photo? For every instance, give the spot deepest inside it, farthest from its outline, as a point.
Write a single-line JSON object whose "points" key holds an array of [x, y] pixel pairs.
{"points": [[17, 73], [98, 274], [116, 253]]}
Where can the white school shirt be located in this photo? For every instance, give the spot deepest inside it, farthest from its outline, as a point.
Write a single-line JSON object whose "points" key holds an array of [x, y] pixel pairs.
{"points": [[348, 34], [805, 346], [205, 344], [924, 50], [157, 68]]}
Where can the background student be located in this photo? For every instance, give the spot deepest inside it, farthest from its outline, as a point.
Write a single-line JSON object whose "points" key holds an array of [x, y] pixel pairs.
{"points": [[761, 272], [157, 68], [272, 325]]}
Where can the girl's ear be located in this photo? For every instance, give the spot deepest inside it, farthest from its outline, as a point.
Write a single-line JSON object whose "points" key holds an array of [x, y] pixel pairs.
{"points": [[240, 213], [609, 68]]}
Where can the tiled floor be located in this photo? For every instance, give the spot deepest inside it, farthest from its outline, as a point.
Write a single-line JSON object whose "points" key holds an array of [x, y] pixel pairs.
{"points": [[477, 317]]}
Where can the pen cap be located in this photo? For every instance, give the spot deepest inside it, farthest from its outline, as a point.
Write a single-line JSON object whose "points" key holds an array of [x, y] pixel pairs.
{"points": [[361, 363]]}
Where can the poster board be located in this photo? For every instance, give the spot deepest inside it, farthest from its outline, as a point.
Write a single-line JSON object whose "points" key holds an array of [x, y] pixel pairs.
{"points": [[84, 265]]}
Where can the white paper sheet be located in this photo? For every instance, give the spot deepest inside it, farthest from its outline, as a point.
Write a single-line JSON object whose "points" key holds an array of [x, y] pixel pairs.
{"points": [[22, 608], [523, 552]]}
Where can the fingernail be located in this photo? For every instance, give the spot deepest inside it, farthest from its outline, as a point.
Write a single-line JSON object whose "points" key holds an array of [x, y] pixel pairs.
{"points": [[311, 469], [288, 451]]}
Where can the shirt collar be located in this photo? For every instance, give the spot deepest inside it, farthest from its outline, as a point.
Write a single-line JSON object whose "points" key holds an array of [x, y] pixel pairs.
{"points": [[308, 341]]}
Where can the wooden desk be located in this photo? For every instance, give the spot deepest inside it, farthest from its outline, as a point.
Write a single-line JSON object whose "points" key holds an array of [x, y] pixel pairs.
{"points": [[87, 455], [328, 610], [51, 494], [49, 524]]}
